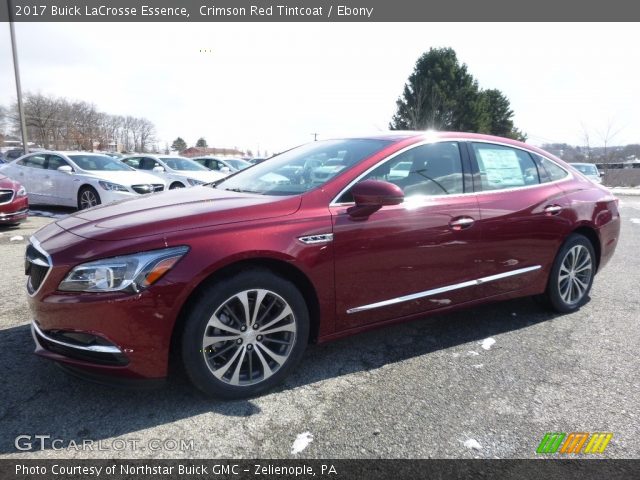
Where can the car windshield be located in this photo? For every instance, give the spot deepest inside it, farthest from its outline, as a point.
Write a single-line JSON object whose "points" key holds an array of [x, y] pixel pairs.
{"points": [[587, 169], [301, 169], [99, 163], [238, 164], [183, 164]]}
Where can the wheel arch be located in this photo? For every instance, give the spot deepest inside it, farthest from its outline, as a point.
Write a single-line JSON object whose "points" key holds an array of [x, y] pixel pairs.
{"points": [[277, 266], [592, 235]]}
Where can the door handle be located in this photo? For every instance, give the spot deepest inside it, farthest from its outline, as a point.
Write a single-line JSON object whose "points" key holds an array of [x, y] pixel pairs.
{"points": [[552, 209], [461, 223]]}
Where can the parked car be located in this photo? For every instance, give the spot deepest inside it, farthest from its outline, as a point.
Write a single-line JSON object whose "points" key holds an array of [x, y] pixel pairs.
{"points": [[14, 204], [589, 170], [178, 172], [78, 179], [223, 165], [14, 153], [256, 160], [235, 279], [113, 154]]}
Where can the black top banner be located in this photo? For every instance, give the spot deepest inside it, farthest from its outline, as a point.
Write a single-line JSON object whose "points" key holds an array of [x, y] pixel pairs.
{"points": [[316, 10]]}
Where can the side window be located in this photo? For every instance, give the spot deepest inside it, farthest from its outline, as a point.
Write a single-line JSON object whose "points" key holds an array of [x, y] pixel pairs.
{"points": [[34, 161], [432, 169], [133, 162], [54, 162], [553, 171], [148, 164], [504, 167]]}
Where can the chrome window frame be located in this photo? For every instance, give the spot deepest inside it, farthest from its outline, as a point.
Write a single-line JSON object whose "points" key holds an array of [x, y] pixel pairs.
{"points": [[334, 202]]}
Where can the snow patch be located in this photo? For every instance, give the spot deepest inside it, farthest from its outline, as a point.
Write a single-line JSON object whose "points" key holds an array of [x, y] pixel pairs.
{"points": [[17, 238], [635, 220], [472, 353], [302, 441], [487, 343], [479, 365], [472, 444]]}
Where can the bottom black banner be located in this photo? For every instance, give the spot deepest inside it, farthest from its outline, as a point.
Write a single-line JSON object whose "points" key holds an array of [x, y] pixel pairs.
{"points": [[194, 469]]}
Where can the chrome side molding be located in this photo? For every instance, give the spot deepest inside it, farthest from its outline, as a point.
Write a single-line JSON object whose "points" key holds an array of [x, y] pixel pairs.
{"points": [[448, 288]]}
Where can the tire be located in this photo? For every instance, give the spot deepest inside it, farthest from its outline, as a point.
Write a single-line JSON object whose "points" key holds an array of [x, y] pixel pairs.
{"points": [[253, 359], [571, 276], [175, 185], [88, 197]]}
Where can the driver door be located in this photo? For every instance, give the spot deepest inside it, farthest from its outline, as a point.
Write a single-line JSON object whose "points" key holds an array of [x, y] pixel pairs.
{"points": [[413, 257]]}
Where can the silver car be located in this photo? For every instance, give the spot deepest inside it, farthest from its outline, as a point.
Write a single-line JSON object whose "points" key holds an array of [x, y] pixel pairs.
{"points": [[176, 171]]}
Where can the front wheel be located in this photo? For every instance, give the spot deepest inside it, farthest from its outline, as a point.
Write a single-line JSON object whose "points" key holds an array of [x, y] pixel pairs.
{"points": [[571, 275], [245, 334], [87, 198]]}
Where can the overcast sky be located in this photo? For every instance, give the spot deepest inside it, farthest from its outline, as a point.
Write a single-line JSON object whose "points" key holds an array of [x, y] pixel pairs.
{"points": [[270, 85]]}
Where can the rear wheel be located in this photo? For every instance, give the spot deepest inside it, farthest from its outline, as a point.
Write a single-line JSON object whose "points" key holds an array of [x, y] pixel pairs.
{"points": [[245, 334], [88, 197], [571, 275]]}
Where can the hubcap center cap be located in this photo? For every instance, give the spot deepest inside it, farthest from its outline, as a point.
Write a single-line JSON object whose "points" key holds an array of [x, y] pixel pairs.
{"points": [[249, 336]]}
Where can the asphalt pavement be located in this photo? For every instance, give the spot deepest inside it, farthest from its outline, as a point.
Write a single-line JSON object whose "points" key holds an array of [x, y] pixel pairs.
{"points": [[426, 389]]}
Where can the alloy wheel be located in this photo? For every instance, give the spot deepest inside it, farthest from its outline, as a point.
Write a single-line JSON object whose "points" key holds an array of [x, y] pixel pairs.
{"points": [[88, 199], [575, 274], [249, 337]]}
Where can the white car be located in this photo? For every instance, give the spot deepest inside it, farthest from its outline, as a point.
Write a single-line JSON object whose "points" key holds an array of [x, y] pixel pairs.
{"points": [[78, 179], [223, 165], [589, 170], [178, 172]]}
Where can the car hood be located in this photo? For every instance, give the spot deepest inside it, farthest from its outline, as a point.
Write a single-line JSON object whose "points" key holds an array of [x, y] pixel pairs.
{"points": [[173, 211], [124, 177]]}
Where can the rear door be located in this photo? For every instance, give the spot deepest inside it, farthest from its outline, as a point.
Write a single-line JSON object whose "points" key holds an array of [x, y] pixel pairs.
{"points": [[521, 217], [61, 187], [30, 173], [412, 257]]}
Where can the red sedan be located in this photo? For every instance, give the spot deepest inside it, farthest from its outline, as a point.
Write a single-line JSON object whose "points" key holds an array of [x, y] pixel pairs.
{"points": [[322, 241], [14, 203]]}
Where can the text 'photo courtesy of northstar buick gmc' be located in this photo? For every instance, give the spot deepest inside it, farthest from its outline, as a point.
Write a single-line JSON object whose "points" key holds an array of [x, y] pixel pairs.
{"points": [[234, 278]]}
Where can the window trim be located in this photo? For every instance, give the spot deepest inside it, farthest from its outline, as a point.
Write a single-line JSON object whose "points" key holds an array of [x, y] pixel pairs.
{"points": [[464, 162]]}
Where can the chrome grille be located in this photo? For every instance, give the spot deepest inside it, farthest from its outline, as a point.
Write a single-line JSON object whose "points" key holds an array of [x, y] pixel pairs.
{"points": [[36, 267], [148, 188], [6, 196]]}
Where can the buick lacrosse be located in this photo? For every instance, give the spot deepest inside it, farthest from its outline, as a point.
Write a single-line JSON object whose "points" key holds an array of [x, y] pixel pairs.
{"points": [[235, 278]]}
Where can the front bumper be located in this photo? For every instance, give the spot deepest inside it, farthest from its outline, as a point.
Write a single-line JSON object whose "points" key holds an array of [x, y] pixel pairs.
{"points": [[13, 217]]}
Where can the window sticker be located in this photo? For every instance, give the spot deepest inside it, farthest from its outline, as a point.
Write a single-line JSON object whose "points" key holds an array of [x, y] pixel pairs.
{"points": [[501, 166]]}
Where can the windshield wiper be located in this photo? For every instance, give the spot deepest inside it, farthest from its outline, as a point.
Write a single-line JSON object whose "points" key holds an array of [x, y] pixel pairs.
{"points": [[240, 190]]}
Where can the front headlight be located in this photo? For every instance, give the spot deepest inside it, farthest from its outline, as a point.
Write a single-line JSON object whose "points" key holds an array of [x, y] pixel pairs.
{"points": [[194, 183], [22, 192], [114, 187], [131, 273]]}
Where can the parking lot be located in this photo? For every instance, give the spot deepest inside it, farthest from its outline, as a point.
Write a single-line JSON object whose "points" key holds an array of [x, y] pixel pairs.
{"points": [[419, 390]]}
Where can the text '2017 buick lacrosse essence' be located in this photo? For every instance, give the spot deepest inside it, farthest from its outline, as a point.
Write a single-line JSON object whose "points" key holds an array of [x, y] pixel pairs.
{"points": [[235, 278]]}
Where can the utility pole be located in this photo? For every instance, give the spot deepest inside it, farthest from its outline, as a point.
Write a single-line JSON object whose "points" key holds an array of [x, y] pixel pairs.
{"points": [[23, 127], [315, 136]]}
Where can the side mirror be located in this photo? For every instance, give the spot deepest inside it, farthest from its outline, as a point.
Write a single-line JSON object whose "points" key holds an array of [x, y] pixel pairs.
{"points": [[65, 169], [371, 195], [158, 169], [225, 170], [601, 172]]}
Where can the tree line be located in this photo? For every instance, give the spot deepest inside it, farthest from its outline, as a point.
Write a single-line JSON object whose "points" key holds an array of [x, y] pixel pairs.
{"points": [[62, 124]]}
